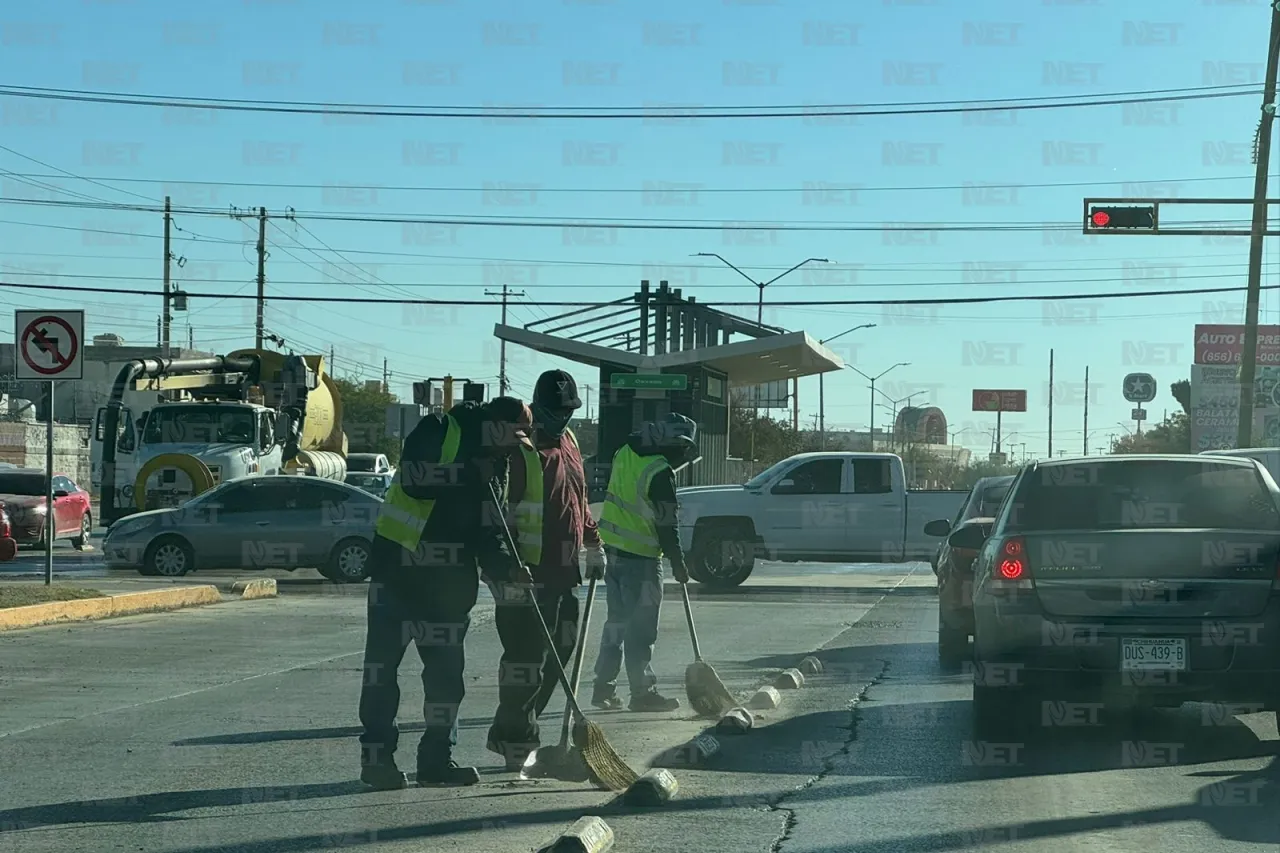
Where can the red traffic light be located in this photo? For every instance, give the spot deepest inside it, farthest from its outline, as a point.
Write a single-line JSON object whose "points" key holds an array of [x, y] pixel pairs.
{"points": [[1111, 218], [1101, 218]]}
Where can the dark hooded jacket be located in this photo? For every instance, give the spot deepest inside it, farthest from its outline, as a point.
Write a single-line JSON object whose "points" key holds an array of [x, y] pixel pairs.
{"points": [[465, 529]]}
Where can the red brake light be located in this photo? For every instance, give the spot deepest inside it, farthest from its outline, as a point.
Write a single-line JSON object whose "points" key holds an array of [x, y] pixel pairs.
{"points": [[1012, 564]]}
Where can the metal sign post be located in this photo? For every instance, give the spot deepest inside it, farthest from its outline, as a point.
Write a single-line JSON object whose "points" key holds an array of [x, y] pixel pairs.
{"points": [[1139, 388], [50, 346]]}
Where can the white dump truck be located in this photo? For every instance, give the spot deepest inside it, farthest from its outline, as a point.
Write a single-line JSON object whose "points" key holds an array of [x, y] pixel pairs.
{"points": [[249, 413]]}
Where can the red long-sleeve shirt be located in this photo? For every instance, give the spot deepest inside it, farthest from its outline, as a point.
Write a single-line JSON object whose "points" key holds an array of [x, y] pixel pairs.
{"points": [[567, 525]]}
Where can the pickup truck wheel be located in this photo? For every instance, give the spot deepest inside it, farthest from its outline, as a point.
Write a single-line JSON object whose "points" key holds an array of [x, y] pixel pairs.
{"points": [[723, 555]]}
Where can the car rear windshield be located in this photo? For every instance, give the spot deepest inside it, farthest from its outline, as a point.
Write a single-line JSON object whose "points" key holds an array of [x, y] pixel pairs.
{"points": [[992, 497], [27, 485], [1143, 493], [360, 463]]}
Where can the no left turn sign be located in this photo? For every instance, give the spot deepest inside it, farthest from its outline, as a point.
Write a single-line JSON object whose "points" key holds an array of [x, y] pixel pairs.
{"points": [[50, 344]]}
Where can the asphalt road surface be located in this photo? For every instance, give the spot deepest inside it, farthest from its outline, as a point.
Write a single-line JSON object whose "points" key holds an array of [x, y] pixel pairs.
{"points": [[233, 728]]}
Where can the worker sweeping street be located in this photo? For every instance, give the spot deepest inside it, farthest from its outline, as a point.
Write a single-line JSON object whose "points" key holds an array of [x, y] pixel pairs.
{"points": [[639, 525], [437, 525], [547, 499]]}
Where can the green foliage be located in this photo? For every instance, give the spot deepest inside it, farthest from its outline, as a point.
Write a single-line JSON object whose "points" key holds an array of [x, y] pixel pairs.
{"points": [[364, 419], [1172, 435], [1181, 391]]}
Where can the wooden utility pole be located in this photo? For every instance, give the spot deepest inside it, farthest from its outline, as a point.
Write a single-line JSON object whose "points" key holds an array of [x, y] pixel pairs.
{"points": [[386, 377], [1086, 411], [1050, 404], [506, 293], [330, 368], [262, 277], [1262, 157], [167, 317]]}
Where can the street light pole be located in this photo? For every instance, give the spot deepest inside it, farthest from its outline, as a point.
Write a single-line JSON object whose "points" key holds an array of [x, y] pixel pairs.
{"points": [[822, 396], [873, 379]]}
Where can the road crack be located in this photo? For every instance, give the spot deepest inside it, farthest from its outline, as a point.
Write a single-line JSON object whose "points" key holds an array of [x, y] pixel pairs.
{"points": [[778, 803]]}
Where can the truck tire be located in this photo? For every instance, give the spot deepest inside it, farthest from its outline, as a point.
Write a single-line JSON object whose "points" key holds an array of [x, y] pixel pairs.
{"points": [[723, 554]]}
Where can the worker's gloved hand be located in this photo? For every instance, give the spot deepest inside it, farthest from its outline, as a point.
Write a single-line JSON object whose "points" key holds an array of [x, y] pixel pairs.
{"points": [[595, 563], [680, 572]]}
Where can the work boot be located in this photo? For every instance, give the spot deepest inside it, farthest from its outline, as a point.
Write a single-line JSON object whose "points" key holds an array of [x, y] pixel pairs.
{"points": [[514, 755], [652, 700], [447, 775], [383, 776], [605, 697]]}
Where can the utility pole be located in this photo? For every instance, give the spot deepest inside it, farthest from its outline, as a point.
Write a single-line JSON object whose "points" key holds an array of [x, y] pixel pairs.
{"points": [[1262, 157], [1086, 411], [1051, 404], [168, 258], [331, 361], [386, 377], [191, 337], [502, 343], [262, 276]]}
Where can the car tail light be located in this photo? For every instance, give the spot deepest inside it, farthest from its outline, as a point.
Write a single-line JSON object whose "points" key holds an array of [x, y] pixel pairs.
{"points": [[1011, 563]]}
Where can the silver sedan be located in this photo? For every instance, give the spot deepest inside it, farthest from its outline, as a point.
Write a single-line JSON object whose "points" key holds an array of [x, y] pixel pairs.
{"points": [[268, 522]]}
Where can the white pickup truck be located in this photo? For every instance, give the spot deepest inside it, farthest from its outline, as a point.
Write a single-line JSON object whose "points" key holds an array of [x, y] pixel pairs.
{"points": [[821, 507]]}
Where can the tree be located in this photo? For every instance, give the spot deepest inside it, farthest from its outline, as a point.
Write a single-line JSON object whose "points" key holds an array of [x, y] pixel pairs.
{"points": [[364, 418], [774, 440], [1172, 435], [1181, 391]]}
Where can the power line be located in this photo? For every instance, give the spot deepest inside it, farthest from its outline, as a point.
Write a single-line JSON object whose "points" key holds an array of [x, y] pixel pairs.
{"points": [[787, 111], [689, 186], [825, 303], [73, 175]]}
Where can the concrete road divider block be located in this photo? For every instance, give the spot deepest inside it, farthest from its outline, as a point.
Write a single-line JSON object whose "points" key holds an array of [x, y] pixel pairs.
{"points": [[654, 788], [765, 699], [588, 834], [126, 604], [789, 680], [258, 588], [692, 754], [738, 721], [811, 666]]}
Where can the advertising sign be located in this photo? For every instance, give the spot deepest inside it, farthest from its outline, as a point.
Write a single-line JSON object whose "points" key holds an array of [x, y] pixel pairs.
{"points": [[999, 400], [1215, 404], [1218, 343]]}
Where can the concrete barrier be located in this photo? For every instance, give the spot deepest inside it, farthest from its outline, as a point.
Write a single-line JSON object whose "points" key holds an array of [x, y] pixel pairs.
{"points": [[811, 666], [259, 588], [765, 699], [126, 604], [588, 834], [789, 680]]}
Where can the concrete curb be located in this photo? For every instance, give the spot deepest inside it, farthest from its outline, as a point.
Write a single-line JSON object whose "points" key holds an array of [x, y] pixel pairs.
{"points": [[765, 699], [125, 604], [736, 721], [811, 666], [588, 834], [655, 788], [791, 679], [694, 753], [261, 588]]}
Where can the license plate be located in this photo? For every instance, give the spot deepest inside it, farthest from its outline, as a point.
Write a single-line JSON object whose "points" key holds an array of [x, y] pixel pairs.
{"points": [[1152, 654]]}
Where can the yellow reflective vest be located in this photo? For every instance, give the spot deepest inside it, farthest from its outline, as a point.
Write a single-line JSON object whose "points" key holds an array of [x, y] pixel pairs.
{"points": [[530, 507], [627, 521], [402, 518]]}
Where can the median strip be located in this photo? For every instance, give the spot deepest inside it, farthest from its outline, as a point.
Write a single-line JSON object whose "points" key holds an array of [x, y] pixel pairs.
{"points": [[81, 605]]}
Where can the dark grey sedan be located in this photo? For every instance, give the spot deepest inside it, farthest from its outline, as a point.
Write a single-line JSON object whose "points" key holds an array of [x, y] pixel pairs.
{"points": [[268, 522]]}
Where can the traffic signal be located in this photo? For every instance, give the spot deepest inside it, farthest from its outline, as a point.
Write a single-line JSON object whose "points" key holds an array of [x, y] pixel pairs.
{"points": [[1122, 218]]}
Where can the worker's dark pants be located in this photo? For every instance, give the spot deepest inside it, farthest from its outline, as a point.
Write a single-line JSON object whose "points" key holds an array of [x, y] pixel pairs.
{"points": [[433, 613], [633, 588], [527, 676]]}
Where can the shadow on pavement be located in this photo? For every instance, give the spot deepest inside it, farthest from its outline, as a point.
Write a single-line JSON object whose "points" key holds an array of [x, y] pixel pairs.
{"points": [[334, 732]]}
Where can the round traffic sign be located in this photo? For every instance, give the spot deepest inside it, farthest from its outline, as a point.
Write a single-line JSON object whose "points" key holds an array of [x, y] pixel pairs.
{"points": [[62, 349]]}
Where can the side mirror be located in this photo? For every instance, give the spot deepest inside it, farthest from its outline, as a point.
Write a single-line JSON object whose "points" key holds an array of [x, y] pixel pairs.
{"points": [[939, 527], [970, 537], [61, 493]]}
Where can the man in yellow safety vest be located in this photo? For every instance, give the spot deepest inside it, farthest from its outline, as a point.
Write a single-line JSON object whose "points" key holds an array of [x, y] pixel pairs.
{"points": [[436, 526], [639, 525], [548, 499]]}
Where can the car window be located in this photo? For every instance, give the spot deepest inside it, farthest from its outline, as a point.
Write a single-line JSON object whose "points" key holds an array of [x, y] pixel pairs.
{"points": [[1143, 493], [992, 497], [816, 477], [25, 483], [258, 494], [872, 476], [63, 484], [318, 495]]}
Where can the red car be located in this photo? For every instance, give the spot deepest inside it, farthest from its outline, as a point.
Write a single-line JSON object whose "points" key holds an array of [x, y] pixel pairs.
{"points": [[8, 548], [22, 497]]}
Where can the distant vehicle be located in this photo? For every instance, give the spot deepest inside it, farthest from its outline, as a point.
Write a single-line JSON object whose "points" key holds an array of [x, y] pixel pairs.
{"points": [[1268, 456], [375, 484], [828, 507], [1150, 579], [24, 496], [954, 566], [369, 463], [8, 546], [281, 522]]}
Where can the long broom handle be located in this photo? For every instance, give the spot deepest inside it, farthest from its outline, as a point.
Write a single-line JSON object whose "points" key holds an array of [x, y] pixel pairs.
{"points": [[542, 623], [577, 660], [688, 615]]}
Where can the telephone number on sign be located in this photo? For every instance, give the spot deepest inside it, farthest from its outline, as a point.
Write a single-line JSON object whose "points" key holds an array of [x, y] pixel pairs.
{"points": [[1233, 357]]}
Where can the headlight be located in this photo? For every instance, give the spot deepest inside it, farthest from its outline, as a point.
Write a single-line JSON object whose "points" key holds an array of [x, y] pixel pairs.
{"points": [[128, 527]]}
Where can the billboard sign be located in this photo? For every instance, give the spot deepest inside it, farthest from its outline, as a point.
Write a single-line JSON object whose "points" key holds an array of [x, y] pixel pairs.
{"points": [[999, 400], [1220, 343], [770, 395]]}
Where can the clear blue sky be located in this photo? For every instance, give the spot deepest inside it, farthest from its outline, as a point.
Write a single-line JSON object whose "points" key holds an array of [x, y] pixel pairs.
{"points": [[630, 53]]}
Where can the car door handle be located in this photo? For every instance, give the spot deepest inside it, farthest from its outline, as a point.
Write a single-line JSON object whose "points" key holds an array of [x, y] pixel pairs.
{"points": [[262, 523]]}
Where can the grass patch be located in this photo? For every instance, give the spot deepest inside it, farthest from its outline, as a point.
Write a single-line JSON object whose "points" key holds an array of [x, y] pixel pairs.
{"points": [[23, 594]]}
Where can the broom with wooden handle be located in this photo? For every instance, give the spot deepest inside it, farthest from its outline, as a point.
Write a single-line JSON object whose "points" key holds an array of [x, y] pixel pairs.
{"points": [[605, 766], [707, 693]]}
